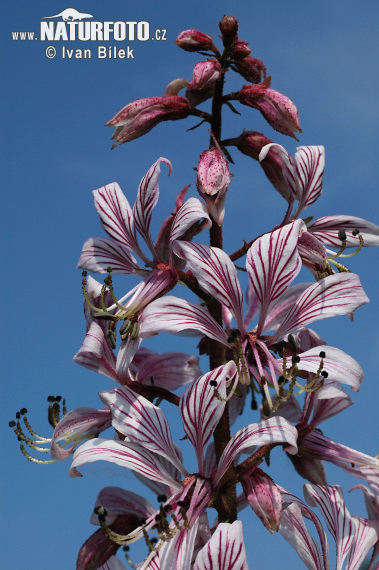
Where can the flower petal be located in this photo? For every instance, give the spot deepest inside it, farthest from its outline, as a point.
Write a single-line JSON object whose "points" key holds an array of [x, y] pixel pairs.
{"points": [[334, 295], [130, 455], [100, 253], [310, 164], [174, 315], [225, 550], [147, 197], [178, 552], [191, 212], [118, 501], [141, 422], [326, 230], [201, 410], [96, 354], [272, 263], [288, 167], [340, 366], [215, 273], [169, 370], [329, 499], [273, 430], [116, 216], [78, 424], [293, 529]]}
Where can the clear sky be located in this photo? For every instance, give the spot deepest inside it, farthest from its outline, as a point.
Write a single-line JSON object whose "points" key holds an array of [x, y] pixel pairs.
{"points": [[55, 150]]}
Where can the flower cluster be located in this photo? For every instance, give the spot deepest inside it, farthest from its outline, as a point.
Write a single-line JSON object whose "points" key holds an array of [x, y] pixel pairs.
{"points": [[260, 346]]}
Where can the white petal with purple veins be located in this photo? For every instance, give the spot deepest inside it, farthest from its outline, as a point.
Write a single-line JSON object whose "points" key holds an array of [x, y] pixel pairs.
{"points": [[174, 315], [201, 410], [338, 294], [272, 263], [141, 422], [225, 550], [147, 197], [215, 273]]}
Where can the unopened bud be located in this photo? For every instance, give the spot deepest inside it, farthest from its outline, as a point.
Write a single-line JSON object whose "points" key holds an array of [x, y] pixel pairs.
{"points": [[212, 182], [278, 110], [205, 76], [240, 50], [251, 69], [229, 28], [193, 40], [139, 117], [264, 497]]}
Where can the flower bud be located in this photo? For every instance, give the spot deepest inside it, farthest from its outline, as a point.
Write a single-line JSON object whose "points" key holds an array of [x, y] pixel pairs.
{"points": [[139, 117], [193, 40], [251, 69], [240, 50], [251, 144], [264, 497], [213, 181], [206, 73], [278, 110], [205, 76], [229, 28]]}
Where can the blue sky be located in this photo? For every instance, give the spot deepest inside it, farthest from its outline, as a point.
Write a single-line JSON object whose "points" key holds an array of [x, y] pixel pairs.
{"points": [[55, 150]]}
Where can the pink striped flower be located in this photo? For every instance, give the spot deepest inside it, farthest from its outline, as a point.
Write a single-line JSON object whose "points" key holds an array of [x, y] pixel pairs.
{"points": [[123, 224], [353, 536], [148, 449], [304, 178], [272, 263]]}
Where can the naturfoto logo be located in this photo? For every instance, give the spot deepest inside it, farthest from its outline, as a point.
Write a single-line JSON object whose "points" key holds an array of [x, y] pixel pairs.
{"points": [[71, 28], [70, 15], [71, 25]]}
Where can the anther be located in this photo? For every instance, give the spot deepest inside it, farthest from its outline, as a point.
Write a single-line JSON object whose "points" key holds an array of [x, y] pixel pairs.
{"points": [[322, 354], [355, 232], [125, 327], [101, 513], [12, 424], [51, 398], [342, 235], [84, 273], [23, 411], [167, 508], [181, 503], [281, 380], [324, 373], [126, 548], [295, 359], [213, 383], [18, 415], [111, 338], [162, 498]]}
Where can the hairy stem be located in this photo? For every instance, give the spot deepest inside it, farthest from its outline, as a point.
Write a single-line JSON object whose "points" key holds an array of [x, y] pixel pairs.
{"points": [[225, 502]]}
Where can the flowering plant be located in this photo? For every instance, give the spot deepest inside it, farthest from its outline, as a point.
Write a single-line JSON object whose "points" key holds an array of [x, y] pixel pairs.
{"points": [[260, 346]]}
